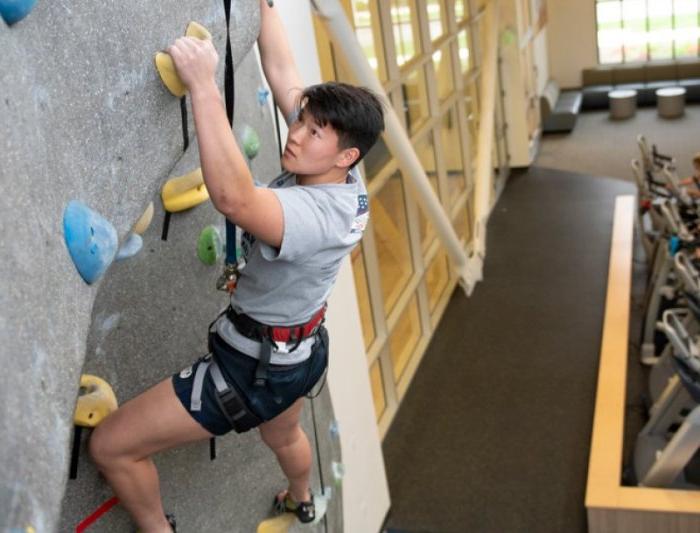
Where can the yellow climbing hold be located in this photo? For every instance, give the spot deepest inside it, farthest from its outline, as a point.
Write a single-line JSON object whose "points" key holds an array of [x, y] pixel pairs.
{"points": [[96, 400], [142, 223], [195, 29], [166, 67], [278, 524], [184, 192]]}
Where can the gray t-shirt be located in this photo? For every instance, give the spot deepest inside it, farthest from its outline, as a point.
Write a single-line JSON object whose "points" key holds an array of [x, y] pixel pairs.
{"points": [[286, 286]]}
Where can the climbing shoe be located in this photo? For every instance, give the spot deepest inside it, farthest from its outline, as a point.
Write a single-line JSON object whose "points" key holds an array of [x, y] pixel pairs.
{"points": [[171, 520], [304, 511]]}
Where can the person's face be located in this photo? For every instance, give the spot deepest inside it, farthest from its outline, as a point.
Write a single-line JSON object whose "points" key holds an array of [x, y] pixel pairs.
{"points": [[312, 149]]}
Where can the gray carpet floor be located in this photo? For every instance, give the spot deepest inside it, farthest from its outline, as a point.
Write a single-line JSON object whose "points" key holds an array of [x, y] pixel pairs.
{"points": [[601, 147], [494, 432]]}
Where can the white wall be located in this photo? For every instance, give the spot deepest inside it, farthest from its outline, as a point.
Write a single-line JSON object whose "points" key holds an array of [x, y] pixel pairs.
{"points": [[365, 489], [571, 40]]}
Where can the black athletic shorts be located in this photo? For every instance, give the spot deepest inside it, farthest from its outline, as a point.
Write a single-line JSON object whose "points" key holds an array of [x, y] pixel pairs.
{"points": [[285, 383]]}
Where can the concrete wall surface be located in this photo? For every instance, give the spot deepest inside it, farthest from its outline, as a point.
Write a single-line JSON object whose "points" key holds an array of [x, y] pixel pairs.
{"points": [[85, 117]]}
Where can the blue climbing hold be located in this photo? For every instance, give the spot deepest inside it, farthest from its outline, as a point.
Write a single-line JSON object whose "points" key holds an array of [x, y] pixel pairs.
{"points": [[15, 10], [674, 244], [130, 248], [263, 93], [91, 240]]}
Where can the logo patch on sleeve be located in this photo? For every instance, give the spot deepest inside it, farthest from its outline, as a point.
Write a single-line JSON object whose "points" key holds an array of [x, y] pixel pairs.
{"points": [[360, 222]]}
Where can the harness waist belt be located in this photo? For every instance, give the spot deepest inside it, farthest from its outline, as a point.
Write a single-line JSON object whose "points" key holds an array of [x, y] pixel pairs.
{"points": [[257, 331], [269, 335]]}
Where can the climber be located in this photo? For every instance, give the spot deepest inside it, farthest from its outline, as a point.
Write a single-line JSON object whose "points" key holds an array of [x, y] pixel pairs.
{"points": [[269, 348]]}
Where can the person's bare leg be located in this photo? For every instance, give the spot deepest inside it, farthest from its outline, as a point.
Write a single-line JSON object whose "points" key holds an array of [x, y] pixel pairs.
{"points": [[122, 445], [284, 436]]}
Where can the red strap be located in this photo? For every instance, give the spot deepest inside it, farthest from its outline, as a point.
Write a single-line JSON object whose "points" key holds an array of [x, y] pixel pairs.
{"points": [[300, 332], [102, 509]]}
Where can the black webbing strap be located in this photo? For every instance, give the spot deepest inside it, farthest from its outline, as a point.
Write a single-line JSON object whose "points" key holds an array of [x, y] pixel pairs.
{"points": [[229, 95], [185, 146], [233, 408], [263, 362], [228, 68]]}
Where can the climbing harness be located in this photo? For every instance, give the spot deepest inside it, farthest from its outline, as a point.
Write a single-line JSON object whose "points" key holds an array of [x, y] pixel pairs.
{"points": [[233, 408], [273, 336]]}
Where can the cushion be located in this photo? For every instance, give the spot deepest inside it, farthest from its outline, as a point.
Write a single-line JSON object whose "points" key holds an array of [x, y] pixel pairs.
{"points": [[692, 89], [660, 71], [688, 68], [597, 76], [569, 102], [629, 73], [595, 97]]}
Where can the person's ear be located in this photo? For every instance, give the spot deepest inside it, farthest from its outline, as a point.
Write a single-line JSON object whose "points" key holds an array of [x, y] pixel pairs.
{"points": [[348, 156]]}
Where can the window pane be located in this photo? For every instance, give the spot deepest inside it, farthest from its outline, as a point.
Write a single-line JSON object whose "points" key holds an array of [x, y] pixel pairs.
{"points": [[366, 22], [687, 24], [388, 213], [415, 97], [443, 72], [464, 51], [462, 223], [375, 377], [404, 338], [360, 274], [426, 154], [405, 23], [461, 9], [634, 23], [610, 34], [436, 18], [376, 158], [660, 34], [452, 154], [472, 107], [437, 278]]}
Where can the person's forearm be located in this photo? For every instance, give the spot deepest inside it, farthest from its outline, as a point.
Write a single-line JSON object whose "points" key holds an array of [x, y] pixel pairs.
{"points": [[272, 41], [277, 60], [226, 174]]}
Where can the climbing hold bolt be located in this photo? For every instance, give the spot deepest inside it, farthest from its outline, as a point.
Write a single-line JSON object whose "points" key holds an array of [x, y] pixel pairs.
{"points": [[251, 142], [142, 223], [15, 10], [210, 246], [166, 67], [130, 248], [91, 240], [184, 192]]}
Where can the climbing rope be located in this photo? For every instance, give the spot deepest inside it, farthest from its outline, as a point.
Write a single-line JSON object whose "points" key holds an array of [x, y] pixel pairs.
{"points": [[227, 281]]}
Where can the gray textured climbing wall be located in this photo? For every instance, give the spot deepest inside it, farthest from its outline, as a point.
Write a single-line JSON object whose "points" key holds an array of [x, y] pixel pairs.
{"points": [[84, 117]]}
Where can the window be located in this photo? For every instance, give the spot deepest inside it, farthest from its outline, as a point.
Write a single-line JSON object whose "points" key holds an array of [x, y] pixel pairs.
{"points": [[647, 30]]}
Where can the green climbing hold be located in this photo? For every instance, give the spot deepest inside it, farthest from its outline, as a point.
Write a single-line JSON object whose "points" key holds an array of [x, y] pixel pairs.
{"points": [[210, 246], [251, 142]]}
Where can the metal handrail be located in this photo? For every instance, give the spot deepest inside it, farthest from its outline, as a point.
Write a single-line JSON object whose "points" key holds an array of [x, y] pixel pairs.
{"points": [[348, 48]]}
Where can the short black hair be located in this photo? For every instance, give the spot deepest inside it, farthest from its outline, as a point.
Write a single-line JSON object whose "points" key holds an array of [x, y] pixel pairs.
{"points": [[355, 113]]}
